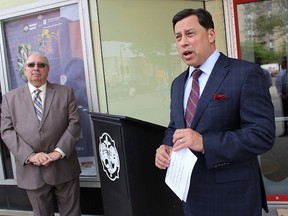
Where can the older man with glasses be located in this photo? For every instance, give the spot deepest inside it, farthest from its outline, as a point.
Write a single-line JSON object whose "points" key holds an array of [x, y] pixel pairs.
{"points": [[40, 125]]}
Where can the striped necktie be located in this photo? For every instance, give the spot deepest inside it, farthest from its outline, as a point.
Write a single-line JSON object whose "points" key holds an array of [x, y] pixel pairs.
{"points": [[193, 98], [38, 104]]}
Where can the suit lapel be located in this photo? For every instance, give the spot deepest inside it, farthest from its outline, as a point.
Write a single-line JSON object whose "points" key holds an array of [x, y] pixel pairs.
{"points": [[26, 98], [48, 101], [182, 81], [217, 76]]}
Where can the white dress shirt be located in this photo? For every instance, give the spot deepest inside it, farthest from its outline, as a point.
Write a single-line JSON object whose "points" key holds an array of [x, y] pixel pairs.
{"points": [[206, 69]]}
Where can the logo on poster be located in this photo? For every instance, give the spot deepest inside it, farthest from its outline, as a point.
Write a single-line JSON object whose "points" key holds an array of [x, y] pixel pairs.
{"points": [[26, 28], [109, 157]]}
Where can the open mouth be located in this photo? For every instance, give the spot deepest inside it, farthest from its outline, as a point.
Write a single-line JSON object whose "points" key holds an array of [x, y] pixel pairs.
{"points": [[187, 53]]}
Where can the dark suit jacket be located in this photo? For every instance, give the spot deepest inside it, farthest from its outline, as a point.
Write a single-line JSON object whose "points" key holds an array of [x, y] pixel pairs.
{"points": [[23, 134], [226, 179]]}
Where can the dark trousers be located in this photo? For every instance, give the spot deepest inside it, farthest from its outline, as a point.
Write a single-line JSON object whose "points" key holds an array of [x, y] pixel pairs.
{"points": [[284, 99], [67, 197]]}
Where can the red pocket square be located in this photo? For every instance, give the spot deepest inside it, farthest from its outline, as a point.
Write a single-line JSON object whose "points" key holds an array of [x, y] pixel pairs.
{"points": [[218, 97]]}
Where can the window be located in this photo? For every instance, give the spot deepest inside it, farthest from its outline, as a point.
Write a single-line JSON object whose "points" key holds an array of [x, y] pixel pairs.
{"points": [[268, 47]]}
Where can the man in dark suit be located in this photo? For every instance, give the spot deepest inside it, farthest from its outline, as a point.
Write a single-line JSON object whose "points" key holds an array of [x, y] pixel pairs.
{"points": [[44, 144], [232, 125]]}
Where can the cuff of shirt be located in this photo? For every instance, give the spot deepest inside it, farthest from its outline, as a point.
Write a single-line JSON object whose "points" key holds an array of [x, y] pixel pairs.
{"points": [[60, 151]]}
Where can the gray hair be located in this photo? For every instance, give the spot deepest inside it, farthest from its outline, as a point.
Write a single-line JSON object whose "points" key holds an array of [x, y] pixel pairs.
{"points": [[38, 53]]}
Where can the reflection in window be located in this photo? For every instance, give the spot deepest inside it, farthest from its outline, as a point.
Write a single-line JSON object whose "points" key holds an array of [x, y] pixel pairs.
{"points": [[139, 56], [267, 25]]}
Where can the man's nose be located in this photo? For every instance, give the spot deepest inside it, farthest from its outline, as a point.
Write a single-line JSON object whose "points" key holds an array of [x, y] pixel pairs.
{"points": [[184, 41]]}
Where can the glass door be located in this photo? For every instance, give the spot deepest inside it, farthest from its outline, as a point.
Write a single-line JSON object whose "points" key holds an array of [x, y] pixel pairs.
{"points": [[261, 31]]}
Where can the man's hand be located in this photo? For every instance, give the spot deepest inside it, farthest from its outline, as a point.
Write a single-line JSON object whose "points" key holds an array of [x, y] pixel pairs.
{"points": [[40, 158], [187, 138], [162, 157], [54, 157], [44, 159]]}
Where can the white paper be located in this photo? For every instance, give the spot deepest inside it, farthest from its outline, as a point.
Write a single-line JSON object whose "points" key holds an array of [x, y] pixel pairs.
{"points": [[179, 172]]}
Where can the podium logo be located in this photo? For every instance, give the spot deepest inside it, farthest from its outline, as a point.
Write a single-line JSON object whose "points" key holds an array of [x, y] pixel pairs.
{"points": [[109, 157]]}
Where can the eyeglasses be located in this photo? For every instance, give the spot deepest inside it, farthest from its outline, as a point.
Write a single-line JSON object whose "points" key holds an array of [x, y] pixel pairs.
{"points": [[39, 65]]}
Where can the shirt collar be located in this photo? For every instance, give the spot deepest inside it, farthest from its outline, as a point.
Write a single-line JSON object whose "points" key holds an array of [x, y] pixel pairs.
{"points": [[208, 65], [32, 88]]}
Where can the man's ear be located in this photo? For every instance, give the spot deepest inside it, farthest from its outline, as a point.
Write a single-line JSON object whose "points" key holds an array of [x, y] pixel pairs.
{"points": [[211, 35]]}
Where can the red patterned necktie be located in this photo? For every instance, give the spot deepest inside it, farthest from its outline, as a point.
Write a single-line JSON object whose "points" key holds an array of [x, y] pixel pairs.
{"points": [[193, 98]]}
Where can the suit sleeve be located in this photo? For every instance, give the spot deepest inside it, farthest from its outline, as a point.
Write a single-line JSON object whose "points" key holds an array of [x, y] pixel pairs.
{"points": [[176, 110], [19, 148], [246, 124]]}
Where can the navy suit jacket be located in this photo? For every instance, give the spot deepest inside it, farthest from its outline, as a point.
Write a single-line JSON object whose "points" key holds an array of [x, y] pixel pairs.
{"points": [[236, 128]]}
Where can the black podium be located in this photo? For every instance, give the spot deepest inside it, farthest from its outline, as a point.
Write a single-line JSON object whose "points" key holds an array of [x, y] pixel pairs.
{"points": [[131, 185]]}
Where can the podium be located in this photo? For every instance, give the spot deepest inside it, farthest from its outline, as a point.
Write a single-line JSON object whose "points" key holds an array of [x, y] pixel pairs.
{"points": [[131, 185]]}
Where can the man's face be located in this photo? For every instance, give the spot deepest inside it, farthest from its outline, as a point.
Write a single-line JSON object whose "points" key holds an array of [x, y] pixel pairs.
{"points": [[36, 70], [194, 43]]}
